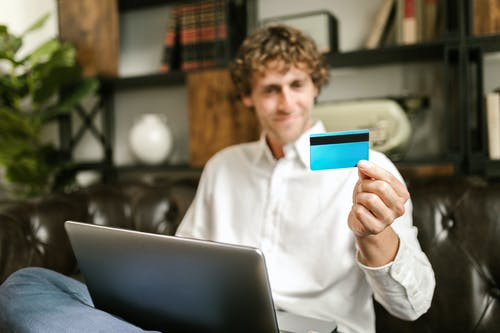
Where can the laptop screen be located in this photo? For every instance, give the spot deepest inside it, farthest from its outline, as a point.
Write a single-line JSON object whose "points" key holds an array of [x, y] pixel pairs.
{"points": [[174, 284]]}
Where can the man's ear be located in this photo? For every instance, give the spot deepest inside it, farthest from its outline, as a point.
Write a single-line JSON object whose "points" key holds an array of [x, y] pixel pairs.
{"points": [[247, 101]]}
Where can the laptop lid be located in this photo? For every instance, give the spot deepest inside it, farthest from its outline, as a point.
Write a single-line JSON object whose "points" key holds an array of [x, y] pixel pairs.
{"points": [[174, 284]]}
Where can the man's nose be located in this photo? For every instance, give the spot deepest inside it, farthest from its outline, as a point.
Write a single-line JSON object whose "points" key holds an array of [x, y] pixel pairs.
{"points": [[285, 100]]}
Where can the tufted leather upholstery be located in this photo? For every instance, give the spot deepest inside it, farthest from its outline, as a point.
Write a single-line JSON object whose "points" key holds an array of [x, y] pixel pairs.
{"points": [[459, 230], [458, 221], [32, 233]]}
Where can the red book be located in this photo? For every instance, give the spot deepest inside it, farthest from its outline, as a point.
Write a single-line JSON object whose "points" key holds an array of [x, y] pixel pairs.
{"points": [[409, 27]]}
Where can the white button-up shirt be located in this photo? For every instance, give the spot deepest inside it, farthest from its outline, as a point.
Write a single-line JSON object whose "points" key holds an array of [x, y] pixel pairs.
{"points": [[298, 218]]}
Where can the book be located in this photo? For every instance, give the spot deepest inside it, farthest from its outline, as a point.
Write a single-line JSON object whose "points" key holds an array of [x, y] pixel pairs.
{"points": [[430, 20], [389, 35], [196, 36], [380, 24], [171, 57], [486, 16], [409, 21], [493, 124]]}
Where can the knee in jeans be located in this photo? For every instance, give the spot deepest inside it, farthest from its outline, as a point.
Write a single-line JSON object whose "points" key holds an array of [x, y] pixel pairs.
{"points": [[31, 272]]}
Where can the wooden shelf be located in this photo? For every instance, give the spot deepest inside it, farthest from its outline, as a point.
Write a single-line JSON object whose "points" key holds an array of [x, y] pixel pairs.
{"points": [[487, 43], [126, 5], [457, 44], [432, 51], [144, 81], [426, 168], [390, 55]]}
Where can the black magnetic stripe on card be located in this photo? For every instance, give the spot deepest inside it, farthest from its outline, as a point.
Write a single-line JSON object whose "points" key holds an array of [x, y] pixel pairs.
{"points": [[346, 138]]}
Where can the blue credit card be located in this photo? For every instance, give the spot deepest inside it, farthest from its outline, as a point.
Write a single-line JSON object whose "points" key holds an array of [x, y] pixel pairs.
{"points": [[335, 150]]}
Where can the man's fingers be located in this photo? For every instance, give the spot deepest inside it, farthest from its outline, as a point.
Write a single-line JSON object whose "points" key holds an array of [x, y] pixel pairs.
{"points": [[362, 222], [378, 199], [370, 170], [374, 204], [385, 192]]}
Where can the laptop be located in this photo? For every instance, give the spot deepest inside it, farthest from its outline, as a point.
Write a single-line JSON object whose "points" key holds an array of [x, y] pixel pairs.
{"points": [[174, 284]]}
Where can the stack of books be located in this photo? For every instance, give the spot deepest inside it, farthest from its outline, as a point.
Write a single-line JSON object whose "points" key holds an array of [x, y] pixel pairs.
{"points": [[404, 22], [196, 36]]}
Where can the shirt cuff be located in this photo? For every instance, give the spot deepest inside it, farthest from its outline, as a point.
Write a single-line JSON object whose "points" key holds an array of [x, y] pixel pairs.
{"points": [[387, 269], [396, 272], [400, 277]]}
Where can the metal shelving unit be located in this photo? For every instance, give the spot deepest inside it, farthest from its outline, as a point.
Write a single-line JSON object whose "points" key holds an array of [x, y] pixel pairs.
{"points": [[459, 51], [432, 51], [174, 78], [127, 5]]}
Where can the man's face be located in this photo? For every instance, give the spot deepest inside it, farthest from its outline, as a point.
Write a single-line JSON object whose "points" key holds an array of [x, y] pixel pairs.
{"points": [[282, 101]]}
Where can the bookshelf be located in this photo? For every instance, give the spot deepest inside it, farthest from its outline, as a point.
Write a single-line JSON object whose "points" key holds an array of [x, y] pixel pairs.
{"points": [[458, 50], [173, 78], [431, 51], [473, 49], [127, 5]]}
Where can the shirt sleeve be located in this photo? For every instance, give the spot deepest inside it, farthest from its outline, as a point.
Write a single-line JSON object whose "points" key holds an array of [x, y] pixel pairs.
{"points": [[405, 286], [196, 221]]}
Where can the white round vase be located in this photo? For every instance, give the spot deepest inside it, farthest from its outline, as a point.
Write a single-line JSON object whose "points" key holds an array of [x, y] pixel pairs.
{"points": [[150, 139]]}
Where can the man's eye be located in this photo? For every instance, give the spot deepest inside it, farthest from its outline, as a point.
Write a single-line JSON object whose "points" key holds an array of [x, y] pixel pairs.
{"points": [[270, 90], [297, 84]]}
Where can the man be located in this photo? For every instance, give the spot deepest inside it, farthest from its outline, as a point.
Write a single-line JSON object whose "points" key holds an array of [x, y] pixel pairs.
{"points": [[332, 239]]}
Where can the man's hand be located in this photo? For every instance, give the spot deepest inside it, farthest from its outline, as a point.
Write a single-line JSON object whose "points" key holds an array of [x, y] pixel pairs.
{"points": [[378, 199]]}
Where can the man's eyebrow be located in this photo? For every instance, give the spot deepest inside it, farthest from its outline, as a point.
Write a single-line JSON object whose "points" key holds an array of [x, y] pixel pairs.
{"points": [[270, 85]]}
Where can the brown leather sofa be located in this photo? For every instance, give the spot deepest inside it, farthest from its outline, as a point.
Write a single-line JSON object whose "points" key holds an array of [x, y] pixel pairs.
{"points": [[458, 221]]}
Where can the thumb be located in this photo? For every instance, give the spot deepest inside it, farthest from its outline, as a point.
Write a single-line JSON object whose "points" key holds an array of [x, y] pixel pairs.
{"points": [[361, 174]]}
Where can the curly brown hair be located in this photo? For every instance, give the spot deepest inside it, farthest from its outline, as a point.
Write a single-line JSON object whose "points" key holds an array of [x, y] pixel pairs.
{"points": [[279, 42]]}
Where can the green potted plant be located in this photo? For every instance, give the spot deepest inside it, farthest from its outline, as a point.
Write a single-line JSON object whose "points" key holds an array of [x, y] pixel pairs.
{"points": [[35, 90]]}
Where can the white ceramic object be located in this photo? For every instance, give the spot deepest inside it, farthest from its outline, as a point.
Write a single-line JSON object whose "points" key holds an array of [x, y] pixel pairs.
{"points": [[390, 128], [150, 139]]}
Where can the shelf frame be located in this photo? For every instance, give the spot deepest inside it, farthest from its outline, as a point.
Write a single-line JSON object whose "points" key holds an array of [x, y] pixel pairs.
{"points": [[174, 78], [431, 51], [459, 51], [129, 5]]}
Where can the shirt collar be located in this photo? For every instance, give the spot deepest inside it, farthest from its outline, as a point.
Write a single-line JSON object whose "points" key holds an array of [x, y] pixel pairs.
{"points": [[297, 149], [264, 151]]}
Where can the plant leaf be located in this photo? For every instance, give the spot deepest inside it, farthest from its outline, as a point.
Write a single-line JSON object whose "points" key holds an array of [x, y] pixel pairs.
{"points": [[37, 25], [70, 99], [9, 45], [43, 52], [34, 90], [13, 123], [52, 75]]}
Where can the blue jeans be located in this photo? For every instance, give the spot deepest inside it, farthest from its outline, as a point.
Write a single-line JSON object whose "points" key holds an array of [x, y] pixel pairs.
{"points": [[35, 299]]}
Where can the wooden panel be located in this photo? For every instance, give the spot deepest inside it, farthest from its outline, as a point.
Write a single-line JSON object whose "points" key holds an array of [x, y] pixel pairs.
{"points": [[92, 26], [486, 16], [425, 170], [217, 118]]}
